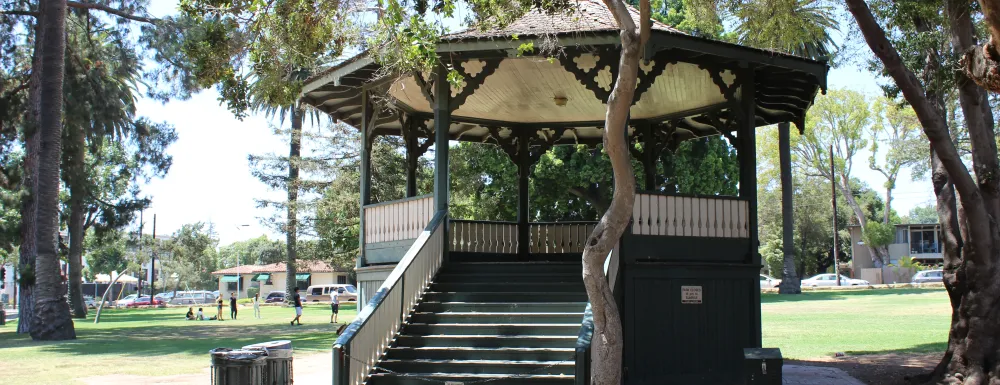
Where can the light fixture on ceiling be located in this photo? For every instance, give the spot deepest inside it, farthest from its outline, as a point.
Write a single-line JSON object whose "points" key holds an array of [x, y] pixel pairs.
{"points": [[560, 100]]}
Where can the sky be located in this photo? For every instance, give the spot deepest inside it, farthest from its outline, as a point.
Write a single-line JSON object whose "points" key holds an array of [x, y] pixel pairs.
{"points": [[210, 178]]}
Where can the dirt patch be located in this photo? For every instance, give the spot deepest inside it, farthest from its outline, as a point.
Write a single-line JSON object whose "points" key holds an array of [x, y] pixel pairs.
{"points": [[880, 369], [308, 369]]}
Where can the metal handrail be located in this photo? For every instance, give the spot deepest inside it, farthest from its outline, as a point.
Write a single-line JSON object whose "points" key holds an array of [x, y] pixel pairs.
{"points": [[360, 347]]}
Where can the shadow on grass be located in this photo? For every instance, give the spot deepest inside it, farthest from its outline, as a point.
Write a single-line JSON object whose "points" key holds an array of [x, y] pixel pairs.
{"points": [[145, 334], [933, 347], [842, 295]]}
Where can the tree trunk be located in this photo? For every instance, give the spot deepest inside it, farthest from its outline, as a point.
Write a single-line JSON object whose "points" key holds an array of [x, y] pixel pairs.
{"points": [[878, 254], [291, 229], [78, 192], [790, 283], [51, 320], [982, 64], [26, 265], [607, 337], [972, 355]]}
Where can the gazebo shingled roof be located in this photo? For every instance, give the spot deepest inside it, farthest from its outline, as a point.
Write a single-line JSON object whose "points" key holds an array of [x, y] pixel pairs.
{"points": [[687, 85]]}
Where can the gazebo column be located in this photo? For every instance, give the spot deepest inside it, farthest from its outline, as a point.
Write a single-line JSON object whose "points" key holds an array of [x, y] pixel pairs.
{"points": [[748, 180], [411, 129], [442, 123], [649, 156], [366, 168], [523, 171]]}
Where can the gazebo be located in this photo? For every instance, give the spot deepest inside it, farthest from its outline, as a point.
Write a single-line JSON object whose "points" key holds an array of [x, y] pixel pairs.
{"points": [[685, 274]]}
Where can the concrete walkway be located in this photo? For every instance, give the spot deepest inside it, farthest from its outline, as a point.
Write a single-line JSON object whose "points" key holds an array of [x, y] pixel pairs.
{"points": [[815, 375]]}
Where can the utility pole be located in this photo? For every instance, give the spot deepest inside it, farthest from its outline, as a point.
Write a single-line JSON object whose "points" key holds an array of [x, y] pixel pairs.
{"points": [[833, 191], [239, 278], [139, 240], [152, 265]]}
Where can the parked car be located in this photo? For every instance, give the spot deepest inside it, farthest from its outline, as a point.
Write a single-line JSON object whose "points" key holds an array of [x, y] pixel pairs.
{"points": [[928, 276], [275, 296], [127, 301], [215, 294], [145, 301], [167, 296], [831, 280], [768, 282], [91, 303], [192, 298], [321, 293]]}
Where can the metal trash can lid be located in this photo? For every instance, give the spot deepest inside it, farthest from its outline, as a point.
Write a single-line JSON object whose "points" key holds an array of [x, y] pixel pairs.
{"points": [[246, 357], [280, 344]]}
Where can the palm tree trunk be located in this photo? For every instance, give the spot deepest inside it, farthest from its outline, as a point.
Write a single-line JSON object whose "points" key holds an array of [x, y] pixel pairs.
{"points": [[51, 319], [77, 193], [291, 230], [26, 263]]}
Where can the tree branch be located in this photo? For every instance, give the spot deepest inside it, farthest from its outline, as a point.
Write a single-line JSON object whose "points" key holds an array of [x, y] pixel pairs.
{"points": [[19, 13], [113, 11]]}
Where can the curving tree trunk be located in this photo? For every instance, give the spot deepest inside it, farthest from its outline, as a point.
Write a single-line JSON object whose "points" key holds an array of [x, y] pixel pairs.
{"points": [[291, 229], [607, 339], [972, 252], [982, 64], [77, 194], [51, 319]]}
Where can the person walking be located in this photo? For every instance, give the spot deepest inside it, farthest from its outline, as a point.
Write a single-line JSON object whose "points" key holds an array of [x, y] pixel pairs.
{"points": [[218, 315], [232, 306], [256, 306], [298, 308], [334, 304]]}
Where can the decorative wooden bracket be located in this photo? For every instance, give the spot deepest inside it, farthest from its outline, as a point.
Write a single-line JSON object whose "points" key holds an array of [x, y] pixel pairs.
{"points": [[539, 145], [474, 73], [539, 141], [413, 128], [426, 84], [650, 70], [587, 67]]}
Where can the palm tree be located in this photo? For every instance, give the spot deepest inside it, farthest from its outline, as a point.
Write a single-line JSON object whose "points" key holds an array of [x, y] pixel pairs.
{"points": [[51, 320], [99, 86], [798, 27]]}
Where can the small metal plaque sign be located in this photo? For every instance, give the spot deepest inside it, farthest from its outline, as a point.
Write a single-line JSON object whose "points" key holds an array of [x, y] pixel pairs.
{"points": [[691, 295], [453, 383]]}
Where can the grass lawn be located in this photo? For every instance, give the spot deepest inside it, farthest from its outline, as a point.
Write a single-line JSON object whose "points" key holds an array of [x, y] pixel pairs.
{"points": [[822, 323], [157, 342]]}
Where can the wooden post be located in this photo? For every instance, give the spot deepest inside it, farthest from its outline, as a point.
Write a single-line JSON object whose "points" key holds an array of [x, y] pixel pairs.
{"points": [[366, 168], [649, 156], [442, 123], [748, 183], [523, 171], [788, 273], [413, 153]]}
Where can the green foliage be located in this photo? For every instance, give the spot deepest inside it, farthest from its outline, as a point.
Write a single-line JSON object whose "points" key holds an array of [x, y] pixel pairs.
{"points": [[108, 253], [192, 256], [923, 214], [255, 251], [878, 234]]}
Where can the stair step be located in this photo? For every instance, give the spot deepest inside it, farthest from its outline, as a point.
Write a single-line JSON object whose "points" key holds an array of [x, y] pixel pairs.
{"points": [[454, 353], [463, 367], [494, 379], [513, 267], [530, 277], [519, 307], [487, 341], [437, 296], [496, 317], [491, 329], [533, 287]]}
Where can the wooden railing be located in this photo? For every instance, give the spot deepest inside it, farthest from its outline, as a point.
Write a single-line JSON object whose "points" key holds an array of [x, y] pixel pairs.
{"points": [[688, 216], [483, 237], [559, 237], [365, 340], [397, 220]]}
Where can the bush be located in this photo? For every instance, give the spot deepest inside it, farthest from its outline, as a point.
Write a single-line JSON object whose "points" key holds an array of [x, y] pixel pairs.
{"points": [[252, 291]]}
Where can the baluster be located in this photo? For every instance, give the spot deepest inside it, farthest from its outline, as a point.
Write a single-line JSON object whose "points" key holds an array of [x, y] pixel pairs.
{"points": [[654, 214], [647, 215], [661, 215], [637, 215], [702, 217], [744, 221], [711, 216], [671, 208], [686, 221]]}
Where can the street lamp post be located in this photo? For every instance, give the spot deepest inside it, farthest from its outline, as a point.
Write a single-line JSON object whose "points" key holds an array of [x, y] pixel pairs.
{"points": [[239, 278]]}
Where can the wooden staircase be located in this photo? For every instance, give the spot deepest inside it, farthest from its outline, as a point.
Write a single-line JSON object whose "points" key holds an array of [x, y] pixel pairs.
{"points": [[510, 323]]}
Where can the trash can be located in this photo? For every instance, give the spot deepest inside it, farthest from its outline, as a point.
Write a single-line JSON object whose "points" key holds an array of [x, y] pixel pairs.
{"points": [[237, 367], [278, 369], [762, 366]]}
